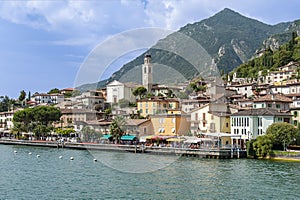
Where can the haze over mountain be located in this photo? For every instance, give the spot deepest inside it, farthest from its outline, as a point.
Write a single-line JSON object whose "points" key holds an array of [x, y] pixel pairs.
{"points": [[224, 41]]}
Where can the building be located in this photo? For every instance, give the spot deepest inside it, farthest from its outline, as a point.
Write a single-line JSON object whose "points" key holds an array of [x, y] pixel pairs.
{"points": [[210, 118], [172, 123], [71, 116], [117, 90], [243, 89], [6, 120], [155, 105], [284, 73], [273, 101], [250, 124], [147, 77], [187, 105], [139, 127], [42, 98]]}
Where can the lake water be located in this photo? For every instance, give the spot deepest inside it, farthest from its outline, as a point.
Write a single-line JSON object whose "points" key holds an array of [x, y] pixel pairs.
{"points": [[129, 176]]}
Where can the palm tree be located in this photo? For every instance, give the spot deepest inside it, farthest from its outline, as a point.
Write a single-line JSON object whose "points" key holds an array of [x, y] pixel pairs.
{"points": [[117, 128]]}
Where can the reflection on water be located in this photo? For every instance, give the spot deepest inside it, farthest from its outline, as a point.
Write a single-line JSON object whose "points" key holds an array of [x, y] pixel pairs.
{"points": [[24, 176]]}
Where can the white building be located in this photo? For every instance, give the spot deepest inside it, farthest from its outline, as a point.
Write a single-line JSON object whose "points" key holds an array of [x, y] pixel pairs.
{"points": [[6, 120], [42, 98], [285, 73], [273, 101], [243, 89], [117, 90], [254, 122]]}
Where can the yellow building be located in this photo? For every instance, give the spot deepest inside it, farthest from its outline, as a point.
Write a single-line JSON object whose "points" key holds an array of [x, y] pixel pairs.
{"points": [[211, 118], [172, 123], [156, 105]]}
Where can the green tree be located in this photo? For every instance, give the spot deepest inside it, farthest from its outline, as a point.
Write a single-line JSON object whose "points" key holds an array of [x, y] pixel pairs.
{"points": [[41, 130], [117, 128], [37, 119], [22, 96], [90, 135], [107, 113], [283, 134], [263, 145], [6, 103], [54, 91], [140, 91]]}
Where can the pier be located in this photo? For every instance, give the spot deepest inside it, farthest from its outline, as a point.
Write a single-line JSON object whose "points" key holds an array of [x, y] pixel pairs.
{"points": [[213, 153]]}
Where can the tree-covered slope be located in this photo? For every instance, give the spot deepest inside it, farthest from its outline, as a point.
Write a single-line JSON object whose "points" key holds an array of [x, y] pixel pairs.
{"points": [[272, 59]]}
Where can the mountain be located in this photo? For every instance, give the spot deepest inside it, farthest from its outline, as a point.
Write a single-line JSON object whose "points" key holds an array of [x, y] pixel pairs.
{"points": [[271, 60], [225, 40]]}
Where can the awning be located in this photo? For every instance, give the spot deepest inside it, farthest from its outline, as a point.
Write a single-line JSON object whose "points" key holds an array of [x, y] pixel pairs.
{"points": [[175, 139], [128, 137], [221, 135], [106, 137], [193, 140], [144, 138], [158, 137]]}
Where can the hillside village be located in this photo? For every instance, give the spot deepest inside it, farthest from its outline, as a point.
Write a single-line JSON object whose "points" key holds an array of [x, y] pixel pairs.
{"points": [[236, 110]]}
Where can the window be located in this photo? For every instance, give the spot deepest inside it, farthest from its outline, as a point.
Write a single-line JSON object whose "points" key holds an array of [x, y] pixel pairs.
{"points": [[269, 105], [203, 124], [295, 114], [203, 116], [277, 105], [227, 124], [212, 116], [146, 104], [145, 70], [153, 111], [196, 116], [295, 122], [161, 120], [254, 106], [141, 111], [149, 68], [247, 121], [146, 111], [263, 105], [173, 120]]}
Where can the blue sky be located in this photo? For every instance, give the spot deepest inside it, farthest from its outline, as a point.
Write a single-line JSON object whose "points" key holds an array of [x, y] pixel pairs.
{"points": [[44, 43]]}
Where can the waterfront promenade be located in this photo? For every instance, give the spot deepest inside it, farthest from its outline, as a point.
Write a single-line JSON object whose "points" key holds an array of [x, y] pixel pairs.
{"points": [[215, 153]]}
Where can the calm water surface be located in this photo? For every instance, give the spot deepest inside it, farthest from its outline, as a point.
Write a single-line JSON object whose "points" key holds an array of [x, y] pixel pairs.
{"points": [[24, 176]]}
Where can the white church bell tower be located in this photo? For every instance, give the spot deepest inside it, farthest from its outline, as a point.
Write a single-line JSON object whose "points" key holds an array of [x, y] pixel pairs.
{"points": [[147, 73]]}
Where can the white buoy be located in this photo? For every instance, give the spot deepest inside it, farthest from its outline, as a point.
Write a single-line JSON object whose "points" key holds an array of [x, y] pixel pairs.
{"points": [[15, 151], [71, 158], [29, 153], [37, 156], [60, 157], [95, 160]]}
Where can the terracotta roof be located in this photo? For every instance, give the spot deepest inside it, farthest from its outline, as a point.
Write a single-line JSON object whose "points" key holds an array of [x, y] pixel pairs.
{"points": [[157, 99], [242, 85], [75, 110], [293, 95], [274, 98], [261, 112], [68, 89]]}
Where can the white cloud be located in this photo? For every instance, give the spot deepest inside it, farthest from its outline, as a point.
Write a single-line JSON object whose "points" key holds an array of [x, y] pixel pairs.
{"points": [[85, 19]]}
